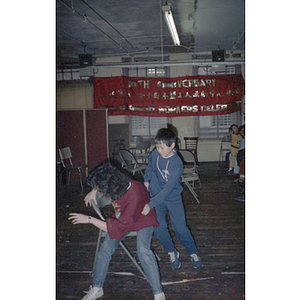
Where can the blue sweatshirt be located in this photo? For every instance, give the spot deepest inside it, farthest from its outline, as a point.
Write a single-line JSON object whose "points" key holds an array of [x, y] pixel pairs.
{"points": [[164, 176]]}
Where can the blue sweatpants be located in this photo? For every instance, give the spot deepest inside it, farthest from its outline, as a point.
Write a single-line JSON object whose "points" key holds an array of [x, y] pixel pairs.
{"points": [[178, 221]]}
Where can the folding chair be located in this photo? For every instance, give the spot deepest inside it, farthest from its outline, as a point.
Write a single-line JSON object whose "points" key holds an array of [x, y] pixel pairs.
{"points": [[190, 172], [191, 144], [101, 203], [189, 164], [130, 163], [225, 146], [119, 145], [66, 156], [144, 151]]}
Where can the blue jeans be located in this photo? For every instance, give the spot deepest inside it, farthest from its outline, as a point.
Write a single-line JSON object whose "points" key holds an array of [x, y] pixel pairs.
{"points": [[177, 216], [145, 254]]}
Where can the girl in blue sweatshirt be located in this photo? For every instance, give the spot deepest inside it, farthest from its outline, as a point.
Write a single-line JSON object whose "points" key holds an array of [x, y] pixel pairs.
{"points": [[162, 179]]}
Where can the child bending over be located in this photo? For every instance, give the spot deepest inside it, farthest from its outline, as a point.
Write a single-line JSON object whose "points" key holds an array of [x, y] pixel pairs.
{"points": [[129, 198]]}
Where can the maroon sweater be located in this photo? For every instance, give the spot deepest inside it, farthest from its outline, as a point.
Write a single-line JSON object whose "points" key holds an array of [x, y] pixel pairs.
{"points": [[130, 206]]}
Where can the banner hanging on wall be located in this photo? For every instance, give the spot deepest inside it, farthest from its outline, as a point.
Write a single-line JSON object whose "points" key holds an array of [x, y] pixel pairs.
{"points": [[169, 97]]}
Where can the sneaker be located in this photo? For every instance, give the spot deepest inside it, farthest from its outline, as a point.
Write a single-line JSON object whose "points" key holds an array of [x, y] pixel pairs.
{"points": [[241, 178], [240, 198], [197, 261], [175, 263], [93, 293], [230, 172], [160, 296]]}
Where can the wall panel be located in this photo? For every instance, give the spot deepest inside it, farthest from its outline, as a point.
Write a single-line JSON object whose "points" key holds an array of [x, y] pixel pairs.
{"points": [[96, 130], [85, 132]]}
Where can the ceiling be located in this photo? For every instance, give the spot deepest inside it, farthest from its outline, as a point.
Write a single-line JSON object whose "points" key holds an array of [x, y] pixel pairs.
{"points": [[136, 27]]}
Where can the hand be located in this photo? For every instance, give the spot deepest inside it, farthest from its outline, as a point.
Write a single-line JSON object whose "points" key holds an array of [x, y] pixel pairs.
{"points": [[146, 184], [78, 218], [146, 210], [89, 197]]}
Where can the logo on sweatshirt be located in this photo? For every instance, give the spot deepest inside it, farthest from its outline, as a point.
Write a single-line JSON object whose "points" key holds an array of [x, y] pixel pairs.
{"points": [[166, 174]]}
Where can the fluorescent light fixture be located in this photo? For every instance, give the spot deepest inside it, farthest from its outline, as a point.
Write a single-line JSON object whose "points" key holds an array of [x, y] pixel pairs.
{"points": [[171, 24]]}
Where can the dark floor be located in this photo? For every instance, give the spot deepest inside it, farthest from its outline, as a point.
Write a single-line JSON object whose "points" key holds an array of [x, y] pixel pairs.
{"points": [[217, 224]]}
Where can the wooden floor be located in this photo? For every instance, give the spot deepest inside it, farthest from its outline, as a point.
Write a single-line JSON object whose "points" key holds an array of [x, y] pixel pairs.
{"points": [[218, 227]]}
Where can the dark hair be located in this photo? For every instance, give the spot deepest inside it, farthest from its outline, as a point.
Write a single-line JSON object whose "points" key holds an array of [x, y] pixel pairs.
{"points": [[166, 136], [109, 181], [230, 128], [241, 128]]}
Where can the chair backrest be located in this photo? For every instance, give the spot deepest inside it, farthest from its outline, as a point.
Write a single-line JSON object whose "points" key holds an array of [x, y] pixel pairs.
{"points": [[127, 158], [144, 146], [226, 139], [137, 139], [187, 156], [102, 201], [118, 146], [191, 143], [226, 142], [188, 160], [65, 153]]}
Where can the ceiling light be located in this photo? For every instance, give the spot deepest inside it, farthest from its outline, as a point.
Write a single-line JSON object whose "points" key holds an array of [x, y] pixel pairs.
{"points": [[171, 24]]}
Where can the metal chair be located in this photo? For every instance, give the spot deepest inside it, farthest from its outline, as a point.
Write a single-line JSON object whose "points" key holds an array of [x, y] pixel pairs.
{"points": [[189, 164], [119, 145], [130, 163], [225, 146], [66, 160], [144, 151], [191, 144], [190, 172], [102, 202]]}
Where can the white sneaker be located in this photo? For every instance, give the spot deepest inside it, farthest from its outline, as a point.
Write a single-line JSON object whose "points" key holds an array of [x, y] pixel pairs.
{"points": [[197, 261], [175, 263], [93, 293], [160, 296]]}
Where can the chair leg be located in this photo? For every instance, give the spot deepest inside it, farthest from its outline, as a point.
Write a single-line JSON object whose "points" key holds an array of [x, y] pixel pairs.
{"points": [[200, 184], [192, 191], [80, 181], [97, 250], [60, 178], [126, 251], [156, 255], [133, 260]]}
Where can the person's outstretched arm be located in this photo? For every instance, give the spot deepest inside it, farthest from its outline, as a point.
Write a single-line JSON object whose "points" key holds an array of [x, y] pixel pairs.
{"points": [[84, 219]]}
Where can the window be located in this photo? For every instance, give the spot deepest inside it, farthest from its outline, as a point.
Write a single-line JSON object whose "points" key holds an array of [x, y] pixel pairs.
{"points": [[146, 126], [220, 69], [146, 72], [156, 72], [216, 126], [67, 74], [137, 72]]}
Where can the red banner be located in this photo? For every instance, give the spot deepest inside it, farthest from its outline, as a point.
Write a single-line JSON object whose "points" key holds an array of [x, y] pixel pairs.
{"points": [[169, 97]]}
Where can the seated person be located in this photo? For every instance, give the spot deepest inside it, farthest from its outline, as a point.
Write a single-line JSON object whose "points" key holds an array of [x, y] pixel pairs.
{"points": [[241, 163], [235, 145]]}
